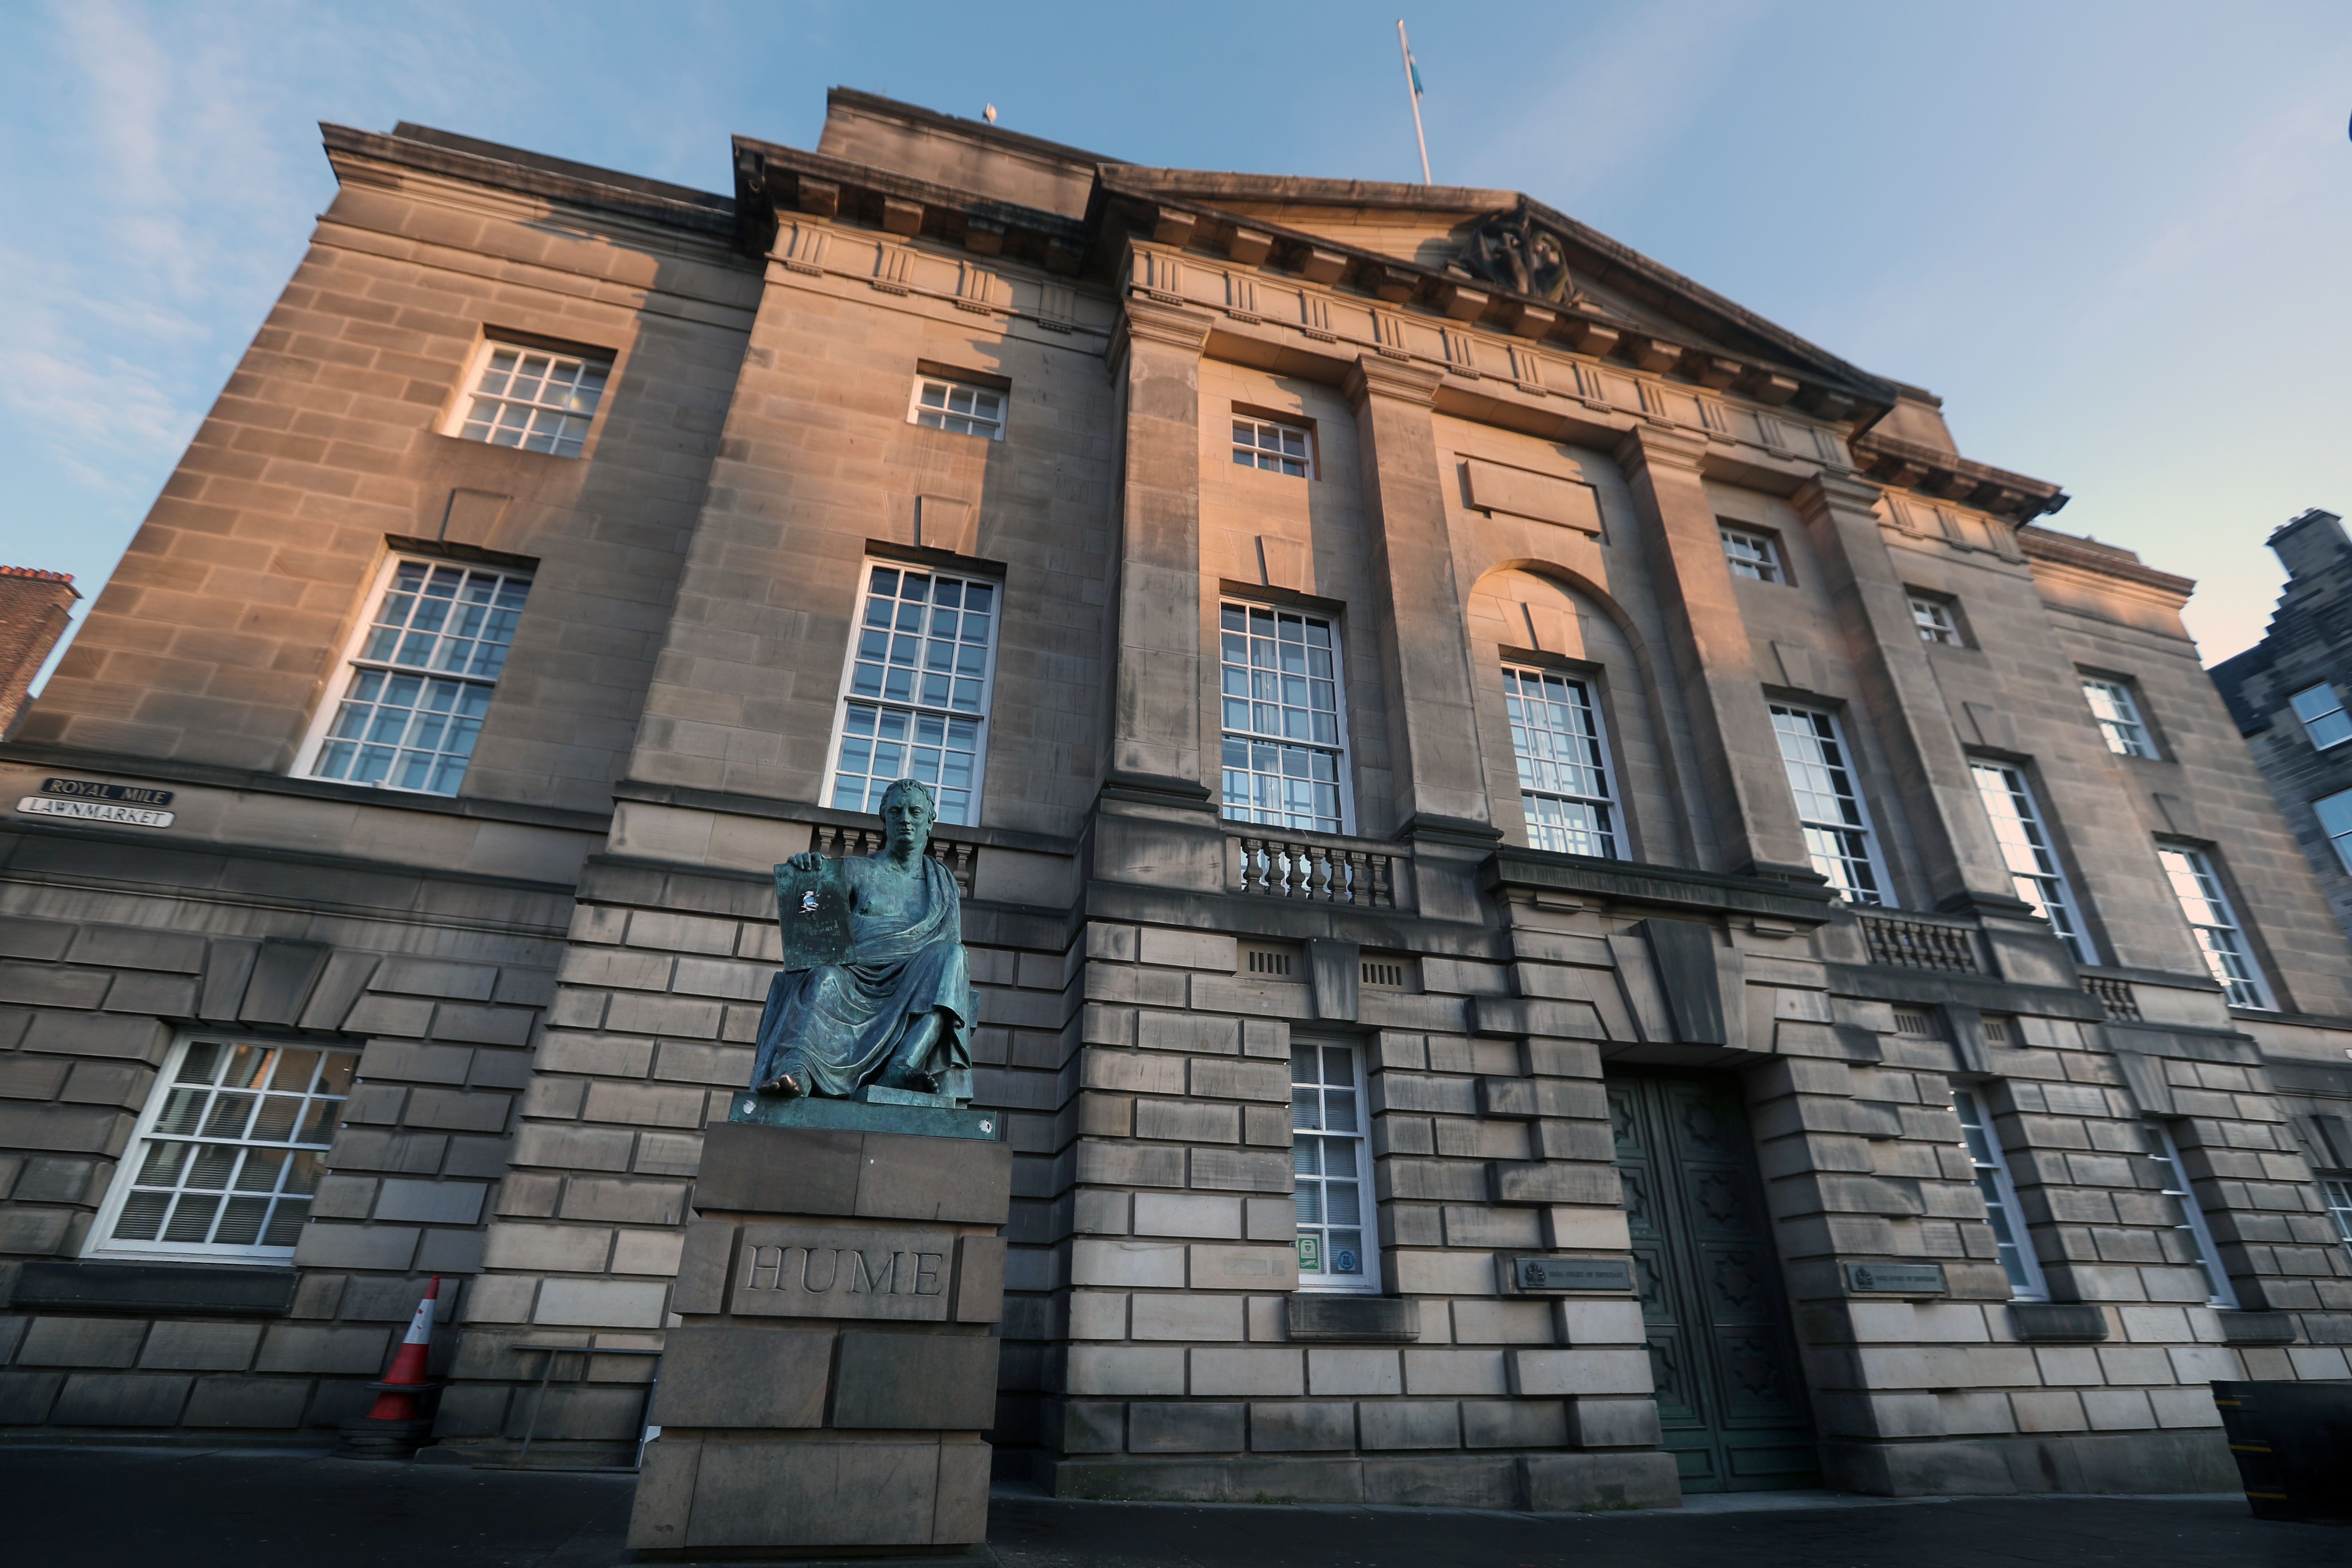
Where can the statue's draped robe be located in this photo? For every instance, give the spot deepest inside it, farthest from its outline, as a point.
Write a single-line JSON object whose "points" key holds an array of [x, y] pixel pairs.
{"points": [[834, 1027]]}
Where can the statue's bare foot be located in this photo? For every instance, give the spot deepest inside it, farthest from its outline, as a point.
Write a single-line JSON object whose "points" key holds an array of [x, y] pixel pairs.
{"points": [[783, 1086]]}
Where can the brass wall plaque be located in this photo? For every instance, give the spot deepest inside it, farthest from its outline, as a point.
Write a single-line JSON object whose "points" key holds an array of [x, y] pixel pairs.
{"points": [[1895, 1278], [1572, 1273]]}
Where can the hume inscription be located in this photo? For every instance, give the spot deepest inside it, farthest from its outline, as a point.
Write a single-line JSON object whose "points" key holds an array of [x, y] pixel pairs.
{"points": [[813, 1271]]}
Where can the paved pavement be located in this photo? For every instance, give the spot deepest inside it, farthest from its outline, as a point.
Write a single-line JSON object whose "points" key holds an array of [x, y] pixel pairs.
{"points": [[142, 1507]]}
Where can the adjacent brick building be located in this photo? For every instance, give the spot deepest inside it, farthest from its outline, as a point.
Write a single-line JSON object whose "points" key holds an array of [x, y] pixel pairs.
{"points": [[1569, 904], [34, 607]]}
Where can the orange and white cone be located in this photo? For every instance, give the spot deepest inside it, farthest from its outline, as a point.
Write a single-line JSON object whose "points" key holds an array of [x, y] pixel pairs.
{"points": [[397, 1402]]}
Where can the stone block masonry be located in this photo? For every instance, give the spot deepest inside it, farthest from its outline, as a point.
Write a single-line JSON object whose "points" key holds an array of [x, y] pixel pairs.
{"points": [[35, 608]]}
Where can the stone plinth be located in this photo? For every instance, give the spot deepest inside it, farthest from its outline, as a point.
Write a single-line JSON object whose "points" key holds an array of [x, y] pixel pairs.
{"points": [[835, 1368]]}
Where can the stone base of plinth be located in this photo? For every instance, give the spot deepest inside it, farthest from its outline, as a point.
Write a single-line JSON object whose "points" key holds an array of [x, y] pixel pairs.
{"points": [[826, 1392], [366, 1438]]}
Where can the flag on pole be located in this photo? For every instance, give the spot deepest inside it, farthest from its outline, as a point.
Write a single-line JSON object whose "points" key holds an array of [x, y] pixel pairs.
{"points": [[1412, 68], [1414, 89]]}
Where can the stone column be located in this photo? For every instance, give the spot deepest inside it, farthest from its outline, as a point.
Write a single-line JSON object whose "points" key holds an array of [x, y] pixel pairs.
{"points": [[1440, 784], [1755, 819], [1963, 863], [827, 1389]]}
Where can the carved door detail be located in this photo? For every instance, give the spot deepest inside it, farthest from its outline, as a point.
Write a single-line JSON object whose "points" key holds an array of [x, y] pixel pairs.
{"points": [[1730, 1401]]}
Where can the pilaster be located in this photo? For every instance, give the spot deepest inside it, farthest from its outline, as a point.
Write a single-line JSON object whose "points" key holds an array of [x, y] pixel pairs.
{"points": [[1962, 862], [1426, 663], [1756, 828], [1155, 737]]}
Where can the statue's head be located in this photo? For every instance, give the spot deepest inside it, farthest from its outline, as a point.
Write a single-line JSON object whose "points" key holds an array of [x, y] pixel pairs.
{"points": [[909, 809]]}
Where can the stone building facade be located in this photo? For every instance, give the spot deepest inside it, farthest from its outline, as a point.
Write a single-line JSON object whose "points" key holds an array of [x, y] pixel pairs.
{"points": [[1569, 904], [35, 606]]}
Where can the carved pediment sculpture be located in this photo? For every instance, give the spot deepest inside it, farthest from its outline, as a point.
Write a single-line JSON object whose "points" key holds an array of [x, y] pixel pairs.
{"points": [[1511, 250]]}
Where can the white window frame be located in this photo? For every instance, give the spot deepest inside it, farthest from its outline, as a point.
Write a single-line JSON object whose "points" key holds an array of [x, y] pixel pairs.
{"points": [[2314, 716], [478, 365], [948, 386], [2248, 990], [2339, 832], [2175, 1179], [1344, 756], [849, 697], [2121, 723], [1935, 621], [1368, 1206], [1753, 553], [349, 666], [2335, 1192], [1255, 455], [100, 1243], [1999, 1190], [1880, 895], [2046, 887], [1611, 804]]}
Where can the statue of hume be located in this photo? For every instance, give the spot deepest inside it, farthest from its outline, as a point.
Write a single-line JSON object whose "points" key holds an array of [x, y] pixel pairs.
{"points": [[876, 989]]}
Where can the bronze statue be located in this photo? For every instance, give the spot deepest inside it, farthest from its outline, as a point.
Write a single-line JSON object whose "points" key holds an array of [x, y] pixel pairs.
{"points": [[876, 990]]}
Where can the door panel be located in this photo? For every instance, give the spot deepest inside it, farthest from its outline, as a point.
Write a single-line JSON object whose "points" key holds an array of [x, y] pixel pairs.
{"points": [[1730, 1405]]}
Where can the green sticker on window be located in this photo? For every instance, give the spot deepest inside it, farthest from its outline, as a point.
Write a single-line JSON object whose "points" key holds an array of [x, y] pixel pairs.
{"points": [[1310, 1254]]}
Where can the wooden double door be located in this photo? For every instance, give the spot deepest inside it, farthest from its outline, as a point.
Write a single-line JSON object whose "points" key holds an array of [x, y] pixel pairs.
{"points": [[1731, 1398]]}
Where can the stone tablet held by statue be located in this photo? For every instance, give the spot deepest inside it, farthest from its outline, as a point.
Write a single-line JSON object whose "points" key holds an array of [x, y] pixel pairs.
{"points": [[876, 994]]}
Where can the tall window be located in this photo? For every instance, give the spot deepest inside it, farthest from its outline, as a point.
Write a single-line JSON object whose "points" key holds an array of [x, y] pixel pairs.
{"points": [[2207, 907], [1991, 1168], [1334, 1168], [2118, 716], [952, 405], [1828, 802], [1285, 748], [537, 399], [1752, 554], [1277, 448], [2187, 1219], [2324, 719], [920, 664], [2337, 1191], [1935, 620], [421, 677], [228, 1153], [1563, 763], [2032, 859], [2335, 814]]}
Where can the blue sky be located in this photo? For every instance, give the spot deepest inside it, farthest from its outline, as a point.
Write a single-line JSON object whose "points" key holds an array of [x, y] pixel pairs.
{"points": [[2114, 237]]}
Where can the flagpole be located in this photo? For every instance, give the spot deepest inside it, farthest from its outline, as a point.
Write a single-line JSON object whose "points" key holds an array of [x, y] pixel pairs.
{"points": [[1412, 93]]}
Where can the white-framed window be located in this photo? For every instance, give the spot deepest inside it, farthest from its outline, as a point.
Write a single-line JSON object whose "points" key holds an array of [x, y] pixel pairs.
{"points": [[1330, 1152], [2322, 712], [1276, 448], [1935, 620], [1286, 730], [228, 1150], [1752, 554], [418, 677], [2117, 711], [2337, 1191], [1828, 802], [2335, 814], [2032, 859], [967, 410], [2219, 937], [542, 400], [2188, 1220], [915, 696], [1991, 1163], [1563, 757]]}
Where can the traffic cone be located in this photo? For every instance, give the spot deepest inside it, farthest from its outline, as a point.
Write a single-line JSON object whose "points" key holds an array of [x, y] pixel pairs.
{"points": [[401, 1384], [393, 1428]]}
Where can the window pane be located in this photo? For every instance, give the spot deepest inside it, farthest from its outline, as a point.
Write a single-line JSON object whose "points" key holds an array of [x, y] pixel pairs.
{"points": [[1829, 804], [2215, 925], [943, 624], [540, 401], [1563, 766], [1279, 658], [2025, 847], [1330, 1166]]}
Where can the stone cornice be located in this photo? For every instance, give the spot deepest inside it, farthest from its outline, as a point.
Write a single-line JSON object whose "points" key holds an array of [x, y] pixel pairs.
{"points": [[1626, 883], [1145, 320], [769, 179], [2046, 545], [1649, 446], [1948, 475], [530, 173]]}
